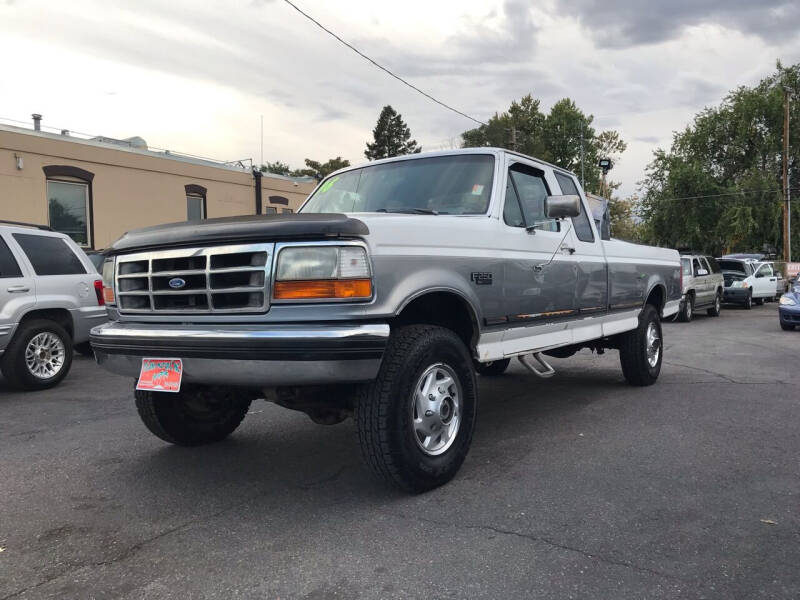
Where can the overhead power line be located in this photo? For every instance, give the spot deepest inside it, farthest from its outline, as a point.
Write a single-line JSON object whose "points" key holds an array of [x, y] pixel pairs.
{"points": [[381, 67], [741, 193]]}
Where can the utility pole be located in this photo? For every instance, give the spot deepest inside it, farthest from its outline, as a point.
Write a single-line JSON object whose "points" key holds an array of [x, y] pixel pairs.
{"points": [[513, 132], [262, 140], [787, 236]]}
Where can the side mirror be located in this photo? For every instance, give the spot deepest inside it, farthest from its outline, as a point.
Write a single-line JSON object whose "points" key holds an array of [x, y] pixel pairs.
{"points": [[562, 207], [701, 272]]}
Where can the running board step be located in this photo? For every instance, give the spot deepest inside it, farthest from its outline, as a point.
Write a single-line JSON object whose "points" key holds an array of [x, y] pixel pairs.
{"points": [[540, 368]]}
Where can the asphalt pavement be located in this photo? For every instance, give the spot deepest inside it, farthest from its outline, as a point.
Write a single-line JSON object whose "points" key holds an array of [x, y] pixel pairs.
{"points": [[579, 486]]}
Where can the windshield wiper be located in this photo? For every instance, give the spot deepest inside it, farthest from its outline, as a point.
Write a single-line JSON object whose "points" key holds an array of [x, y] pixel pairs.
{"points": [[409, 210]]}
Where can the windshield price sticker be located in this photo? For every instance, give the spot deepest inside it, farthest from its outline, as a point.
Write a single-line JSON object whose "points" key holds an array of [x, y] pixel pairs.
{"points": [[160, 375]]}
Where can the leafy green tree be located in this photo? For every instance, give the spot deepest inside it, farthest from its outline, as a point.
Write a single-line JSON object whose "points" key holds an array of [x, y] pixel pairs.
{"points": [[277, 167], [319, 170], [391, 137], [624, 225], [555, 137], [718, 188]]}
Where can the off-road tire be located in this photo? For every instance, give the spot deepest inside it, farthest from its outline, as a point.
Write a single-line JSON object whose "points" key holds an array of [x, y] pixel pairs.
{"points": [[492, 369], [717, 308], [687, 310], [787, 326], [383, 412], [633, 350], [175, 418], [748, 301], [13, 360]]}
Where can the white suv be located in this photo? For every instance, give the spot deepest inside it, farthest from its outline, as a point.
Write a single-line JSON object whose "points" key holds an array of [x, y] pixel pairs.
{"points": [[50, 297]]}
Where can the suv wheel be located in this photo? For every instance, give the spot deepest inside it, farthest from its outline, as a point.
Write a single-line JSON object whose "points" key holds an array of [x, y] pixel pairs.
{"points": [[39, 356], [715, 310], [193, 416], [641, 350], [415, 421], [493, 368], [687, 311]]}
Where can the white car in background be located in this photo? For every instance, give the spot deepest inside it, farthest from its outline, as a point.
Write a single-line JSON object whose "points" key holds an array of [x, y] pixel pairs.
{"points": [[747, 281]]}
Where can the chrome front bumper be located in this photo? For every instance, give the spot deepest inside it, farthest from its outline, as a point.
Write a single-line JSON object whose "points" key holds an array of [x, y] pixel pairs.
{"points": [[248, 356]]}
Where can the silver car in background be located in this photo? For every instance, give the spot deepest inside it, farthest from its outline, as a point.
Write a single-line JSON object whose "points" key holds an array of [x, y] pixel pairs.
{"points": [[702, 286], [50, 297]]}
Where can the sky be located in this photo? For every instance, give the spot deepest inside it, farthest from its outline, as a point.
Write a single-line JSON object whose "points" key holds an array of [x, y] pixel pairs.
{"points": [[196, 76]]}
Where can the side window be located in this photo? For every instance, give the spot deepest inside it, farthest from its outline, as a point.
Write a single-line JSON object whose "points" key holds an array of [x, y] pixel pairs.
{"points": [[532, 191], [583, 229], [512, 214], [8, 265], [696, 265], [704, 264], [49, 255], [687, 267], [715, 268], [765, 271]]}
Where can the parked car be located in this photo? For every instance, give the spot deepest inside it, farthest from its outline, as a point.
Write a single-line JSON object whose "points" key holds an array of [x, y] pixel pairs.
{"points": [[446, 264], [702, 286], [50, 297], [96, 257], [789, 308], [747, 281]]}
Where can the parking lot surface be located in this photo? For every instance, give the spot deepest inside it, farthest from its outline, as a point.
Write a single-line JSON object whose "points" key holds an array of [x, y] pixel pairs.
{"points": [[579, 486]]}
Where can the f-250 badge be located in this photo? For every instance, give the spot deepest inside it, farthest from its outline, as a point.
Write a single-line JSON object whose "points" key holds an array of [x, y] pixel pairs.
{"points": [[481, 278]]}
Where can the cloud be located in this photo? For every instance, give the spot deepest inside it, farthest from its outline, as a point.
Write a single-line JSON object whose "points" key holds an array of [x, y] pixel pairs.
{"points": [[647, 139], [624, 23]]}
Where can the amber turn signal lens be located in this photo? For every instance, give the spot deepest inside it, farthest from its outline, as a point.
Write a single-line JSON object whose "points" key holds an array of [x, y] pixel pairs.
{"points": [[316, 289], [108, 295]]}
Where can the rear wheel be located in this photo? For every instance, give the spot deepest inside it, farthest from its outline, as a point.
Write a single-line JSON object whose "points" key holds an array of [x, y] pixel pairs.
{"points": [[415, 420], [640, 350], [39, 356], [687, 310], [193, 416], [715, 310], [493, 368]]}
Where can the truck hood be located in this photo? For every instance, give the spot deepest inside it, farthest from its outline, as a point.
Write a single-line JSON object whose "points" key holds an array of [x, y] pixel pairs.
{"points": [[251, 228]]}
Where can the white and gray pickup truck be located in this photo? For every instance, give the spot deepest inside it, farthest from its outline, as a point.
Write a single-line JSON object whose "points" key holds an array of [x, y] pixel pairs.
{"points": [[394, 284]]}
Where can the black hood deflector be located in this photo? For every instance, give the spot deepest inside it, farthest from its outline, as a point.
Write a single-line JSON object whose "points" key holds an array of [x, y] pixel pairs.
{"points": [[244, 229]]}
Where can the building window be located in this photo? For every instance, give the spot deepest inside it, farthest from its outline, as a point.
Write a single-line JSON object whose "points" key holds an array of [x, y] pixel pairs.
{"points": [[270, 210], [195, 202], [68, 210], [287, 210], [278, 200]]}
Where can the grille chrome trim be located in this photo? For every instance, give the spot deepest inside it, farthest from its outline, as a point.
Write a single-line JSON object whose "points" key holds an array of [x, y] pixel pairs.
{"points": [[208, 299]]}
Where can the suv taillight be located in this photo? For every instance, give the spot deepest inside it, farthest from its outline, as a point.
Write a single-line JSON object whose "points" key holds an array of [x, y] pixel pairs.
{"points": [[98, 290]]}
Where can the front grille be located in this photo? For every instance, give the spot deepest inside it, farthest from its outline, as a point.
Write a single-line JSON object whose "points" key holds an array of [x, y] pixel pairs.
{"points": [[222, 279]]}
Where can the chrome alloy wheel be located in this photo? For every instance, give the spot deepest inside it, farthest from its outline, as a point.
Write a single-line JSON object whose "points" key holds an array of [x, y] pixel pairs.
{"points": [[653, 344], [436, 409], [44, 355]]}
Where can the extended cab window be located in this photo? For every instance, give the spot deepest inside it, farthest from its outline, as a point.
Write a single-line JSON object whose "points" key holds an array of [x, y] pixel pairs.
{"points": [[583, 229], [529, 191], [49, 255], [8, 266]]}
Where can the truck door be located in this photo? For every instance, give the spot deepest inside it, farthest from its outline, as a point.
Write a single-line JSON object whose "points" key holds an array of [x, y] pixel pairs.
{"points": [[764, 282], [17, 293], [539, 293], [591, 292]]}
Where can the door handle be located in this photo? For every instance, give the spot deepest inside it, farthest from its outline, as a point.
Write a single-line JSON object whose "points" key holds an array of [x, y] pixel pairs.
{"points": [[565, 248], [18, 289]]}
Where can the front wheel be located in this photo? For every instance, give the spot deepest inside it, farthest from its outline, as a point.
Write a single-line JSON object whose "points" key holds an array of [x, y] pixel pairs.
{"points": [[193, 416], [415, 420], [715, 310], [641, 350], [492, 368], [748, 301], [687, 310]]}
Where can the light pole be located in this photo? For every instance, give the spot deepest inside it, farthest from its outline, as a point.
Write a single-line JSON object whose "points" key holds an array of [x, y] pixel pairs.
{"points": [[605, 164]]}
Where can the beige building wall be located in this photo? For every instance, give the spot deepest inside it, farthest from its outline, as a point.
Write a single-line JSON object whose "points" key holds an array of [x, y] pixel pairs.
{"points": [[130, 188]]}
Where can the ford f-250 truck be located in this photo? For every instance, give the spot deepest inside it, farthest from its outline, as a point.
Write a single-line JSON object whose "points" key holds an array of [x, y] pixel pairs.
{"points": [[395, 283]]}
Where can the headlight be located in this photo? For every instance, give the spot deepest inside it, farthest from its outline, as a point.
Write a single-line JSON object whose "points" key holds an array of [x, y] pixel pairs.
{"points": [[787, 301], [108, 281], [740, 284], [322, 272]]}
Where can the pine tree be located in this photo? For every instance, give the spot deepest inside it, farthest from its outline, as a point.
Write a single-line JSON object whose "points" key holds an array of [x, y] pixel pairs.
{"points": [[391, 137]]}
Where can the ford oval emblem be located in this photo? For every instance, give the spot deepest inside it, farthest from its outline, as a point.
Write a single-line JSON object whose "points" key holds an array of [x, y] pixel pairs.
{"points": [[177, 283]]}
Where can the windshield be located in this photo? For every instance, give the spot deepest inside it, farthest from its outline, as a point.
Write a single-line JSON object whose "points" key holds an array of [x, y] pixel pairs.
{"points": [[454, 185], [734, 265]]}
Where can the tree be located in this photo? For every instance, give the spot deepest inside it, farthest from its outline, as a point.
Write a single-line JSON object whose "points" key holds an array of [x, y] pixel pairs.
{"points": [[391, 137], [319, 170], [277, 167], [622, 213], [556, 137], [718, 188]]}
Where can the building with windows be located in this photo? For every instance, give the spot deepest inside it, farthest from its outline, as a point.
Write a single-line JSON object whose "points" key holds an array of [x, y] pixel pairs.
{"points": [[96, 189]]}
